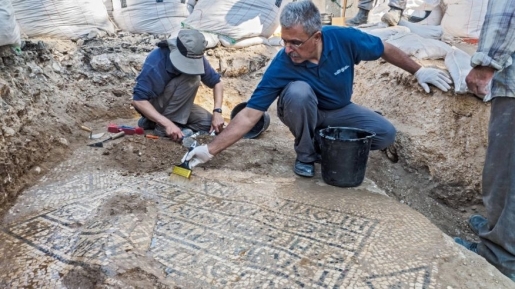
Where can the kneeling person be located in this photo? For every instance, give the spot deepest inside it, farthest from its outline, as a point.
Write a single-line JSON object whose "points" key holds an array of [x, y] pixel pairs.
{"points": [[168, 83]]}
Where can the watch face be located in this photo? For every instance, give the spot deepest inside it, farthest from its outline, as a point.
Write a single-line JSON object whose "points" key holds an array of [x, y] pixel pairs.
{"points": [[219, 110]]}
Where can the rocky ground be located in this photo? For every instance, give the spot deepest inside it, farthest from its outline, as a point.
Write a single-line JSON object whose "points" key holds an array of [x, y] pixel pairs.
{"points": [[53, 87]]}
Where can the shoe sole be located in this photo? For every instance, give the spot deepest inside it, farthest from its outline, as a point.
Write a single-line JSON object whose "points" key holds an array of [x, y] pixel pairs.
{"points": [[304, 175]]}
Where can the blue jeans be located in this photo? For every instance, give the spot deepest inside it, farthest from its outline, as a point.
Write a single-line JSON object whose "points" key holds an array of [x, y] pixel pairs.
{"points": [[498, 238], [297, 108]]}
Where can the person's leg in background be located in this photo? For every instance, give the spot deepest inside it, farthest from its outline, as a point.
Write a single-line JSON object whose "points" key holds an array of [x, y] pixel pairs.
{"points": [[297, 108], [364, 7], [393, 16], [497, 236]]}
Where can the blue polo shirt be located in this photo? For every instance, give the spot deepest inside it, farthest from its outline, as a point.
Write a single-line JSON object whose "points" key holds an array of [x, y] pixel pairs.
{"points": [[331, 79], [158, 70]]}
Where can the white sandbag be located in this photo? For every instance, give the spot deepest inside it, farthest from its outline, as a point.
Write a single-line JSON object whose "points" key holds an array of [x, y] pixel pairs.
{"points": [[374, 16], [434, 18], [458, 63], [386, 33], [246, 42], [9, 30], [464, 18], [109, 7], [236, 19], [274, 41], [150, 16], [212, 39], [422, 5], [422, 48], [61, 18], [426, 31]]}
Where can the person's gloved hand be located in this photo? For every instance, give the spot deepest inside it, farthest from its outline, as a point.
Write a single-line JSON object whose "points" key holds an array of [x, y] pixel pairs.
{"points": [[436, 77], [197, 156]]}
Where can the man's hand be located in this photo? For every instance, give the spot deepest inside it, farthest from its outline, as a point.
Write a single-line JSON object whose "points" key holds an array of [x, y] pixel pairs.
{"points": [[436, 77], [217, 123], [174, 132], [478, 80], [197, 156]]}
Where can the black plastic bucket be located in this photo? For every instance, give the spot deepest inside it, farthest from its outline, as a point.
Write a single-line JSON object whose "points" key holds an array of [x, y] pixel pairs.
{"points": [[260, 126], [344, 155]]}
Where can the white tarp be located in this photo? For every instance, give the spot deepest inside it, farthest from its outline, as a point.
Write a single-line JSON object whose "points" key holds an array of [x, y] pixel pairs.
{"points": [[9, 30], [150, 16], [464, 18], [236, 19], [61, 18]]}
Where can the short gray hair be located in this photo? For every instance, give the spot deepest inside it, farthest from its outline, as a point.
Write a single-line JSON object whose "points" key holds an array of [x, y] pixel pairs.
{"points": [[304, 13]]}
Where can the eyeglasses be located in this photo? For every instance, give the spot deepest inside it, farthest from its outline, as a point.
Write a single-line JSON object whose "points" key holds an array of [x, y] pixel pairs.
{"points": [[295, 44]]}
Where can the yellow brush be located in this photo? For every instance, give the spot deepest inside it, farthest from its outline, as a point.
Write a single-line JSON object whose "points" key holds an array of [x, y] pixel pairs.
{"points": [[183, 169]]}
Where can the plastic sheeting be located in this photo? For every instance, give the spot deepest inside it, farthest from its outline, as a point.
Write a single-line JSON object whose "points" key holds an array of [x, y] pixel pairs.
{"points": [[464, 18], [9, 30], [150, 16], [236, 19], [61, 18]]}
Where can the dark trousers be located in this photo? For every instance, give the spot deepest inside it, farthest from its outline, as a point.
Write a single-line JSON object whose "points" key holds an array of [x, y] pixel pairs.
{"points": [[176, 103], [498, 238], [297, 108]]}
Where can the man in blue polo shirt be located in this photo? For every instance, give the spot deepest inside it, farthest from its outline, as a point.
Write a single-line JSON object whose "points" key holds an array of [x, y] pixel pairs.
{"points": [[313, 77], [168, 83]]}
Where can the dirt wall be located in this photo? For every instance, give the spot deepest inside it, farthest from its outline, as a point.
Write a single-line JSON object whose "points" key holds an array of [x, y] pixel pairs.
{"points": [[439, 134], [54, 86]]}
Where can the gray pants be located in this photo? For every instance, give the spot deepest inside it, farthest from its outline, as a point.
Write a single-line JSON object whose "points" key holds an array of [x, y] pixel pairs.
{"points": [[498, 238], [369, 4], [176, 103], [297, 108]]}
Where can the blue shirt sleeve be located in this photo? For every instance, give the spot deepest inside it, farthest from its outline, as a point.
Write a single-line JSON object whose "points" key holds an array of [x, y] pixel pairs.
{"points": [[153, 77], [270, 86], [210, 77], [364, 47], [158, 70]]}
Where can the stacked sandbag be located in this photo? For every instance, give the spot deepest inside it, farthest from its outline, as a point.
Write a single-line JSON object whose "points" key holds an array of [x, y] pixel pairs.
{"points": [[9, 30], [150, 16], [414, 8], [464, 18], [420, 47], [68, 19], [428, 10], [237, 21]]}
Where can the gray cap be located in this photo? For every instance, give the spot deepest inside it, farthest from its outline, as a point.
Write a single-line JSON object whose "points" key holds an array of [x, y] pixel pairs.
{"points": [[187, 51]]}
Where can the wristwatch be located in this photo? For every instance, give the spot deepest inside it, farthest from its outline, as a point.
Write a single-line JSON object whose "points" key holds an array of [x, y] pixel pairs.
{"points": [[219, 110]]}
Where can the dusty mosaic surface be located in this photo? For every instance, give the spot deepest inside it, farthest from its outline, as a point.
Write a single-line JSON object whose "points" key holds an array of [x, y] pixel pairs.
{"points": [[83, 226]]}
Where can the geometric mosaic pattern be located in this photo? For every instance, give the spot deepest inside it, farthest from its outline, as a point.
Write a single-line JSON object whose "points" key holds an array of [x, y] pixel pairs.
{"points": [[203, 235]]}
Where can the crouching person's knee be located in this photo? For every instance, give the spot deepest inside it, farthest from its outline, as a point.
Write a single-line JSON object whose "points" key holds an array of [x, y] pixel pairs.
{"points": [[384, 137]]}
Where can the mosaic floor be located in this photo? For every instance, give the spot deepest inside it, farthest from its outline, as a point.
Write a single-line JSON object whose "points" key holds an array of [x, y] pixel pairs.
{"points": [[86, 228]]}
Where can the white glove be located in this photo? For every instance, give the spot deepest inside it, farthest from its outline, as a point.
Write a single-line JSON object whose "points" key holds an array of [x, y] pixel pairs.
{"points": [[197, 156], [433, 76]]}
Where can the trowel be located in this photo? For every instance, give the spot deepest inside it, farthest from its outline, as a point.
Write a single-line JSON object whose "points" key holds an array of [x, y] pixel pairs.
{"points": [[91, 135]]}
